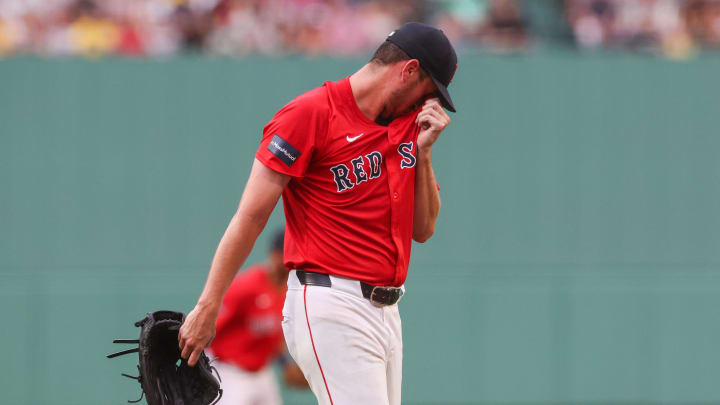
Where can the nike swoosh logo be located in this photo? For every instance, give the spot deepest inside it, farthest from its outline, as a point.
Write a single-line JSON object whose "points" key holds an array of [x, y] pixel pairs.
{"points": [[349, 139]]}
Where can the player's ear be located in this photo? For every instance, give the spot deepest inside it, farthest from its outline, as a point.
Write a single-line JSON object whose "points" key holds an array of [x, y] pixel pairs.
{"points": [[410, 70]]}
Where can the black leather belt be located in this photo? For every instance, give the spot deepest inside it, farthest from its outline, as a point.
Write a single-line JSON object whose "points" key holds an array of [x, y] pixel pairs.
{"points": [[378, 295]]}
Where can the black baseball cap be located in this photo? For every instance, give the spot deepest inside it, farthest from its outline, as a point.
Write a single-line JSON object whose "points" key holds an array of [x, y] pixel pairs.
{"points": [[433, 50]]}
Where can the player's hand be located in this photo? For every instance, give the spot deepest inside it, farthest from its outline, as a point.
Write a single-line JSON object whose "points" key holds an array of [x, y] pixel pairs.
{"points": [[432, 120], [196, 333]]}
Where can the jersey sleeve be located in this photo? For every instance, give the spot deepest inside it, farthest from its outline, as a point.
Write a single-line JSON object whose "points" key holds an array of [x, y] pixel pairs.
{"points": [[292, 136]]}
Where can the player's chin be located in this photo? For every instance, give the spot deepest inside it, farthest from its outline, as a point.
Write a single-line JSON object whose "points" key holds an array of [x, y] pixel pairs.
{"points": [[407, 110]]}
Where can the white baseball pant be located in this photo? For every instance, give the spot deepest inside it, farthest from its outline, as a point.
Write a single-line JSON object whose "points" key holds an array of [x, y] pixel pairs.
{"points": [[349, 349]]}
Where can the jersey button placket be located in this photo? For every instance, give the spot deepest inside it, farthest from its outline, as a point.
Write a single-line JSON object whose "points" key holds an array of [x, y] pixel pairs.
{"points": [[395, 195]]}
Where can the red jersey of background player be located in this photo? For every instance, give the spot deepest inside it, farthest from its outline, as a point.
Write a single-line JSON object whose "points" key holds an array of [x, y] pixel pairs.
{"points": [[249, 334], [349, 204]]}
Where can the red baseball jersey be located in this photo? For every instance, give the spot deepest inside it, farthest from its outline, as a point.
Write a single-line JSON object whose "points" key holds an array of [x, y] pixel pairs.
{"points": [[349, 204], [249, 331]]}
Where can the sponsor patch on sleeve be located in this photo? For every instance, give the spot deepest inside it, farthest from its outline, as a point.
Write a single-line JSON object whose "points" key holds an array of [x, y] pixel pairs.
{"points": [[283, 150]]}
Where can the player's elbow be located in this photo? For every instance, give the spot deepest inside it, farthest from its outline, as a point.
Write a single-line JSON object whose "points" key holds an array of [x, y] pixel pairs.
{"points": [[423, 235]]}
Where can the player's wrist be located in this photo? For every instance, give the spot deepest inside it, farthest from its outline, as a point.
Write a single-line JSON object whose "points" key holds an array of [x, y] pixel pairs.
{"points": [[208, 305], [424, 152]]}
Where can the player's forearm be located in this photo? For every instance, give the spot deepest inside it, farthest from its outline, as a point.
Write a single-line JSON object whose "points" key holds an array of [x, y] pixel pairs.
{"points": [[232, 251], [427, 198], [261, 194]]}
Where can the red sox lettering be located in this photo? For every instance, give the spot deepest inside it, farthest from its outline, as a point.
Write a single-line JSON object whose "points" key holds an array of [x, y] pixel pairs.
{"points": [[405, 150], [341, 172]]}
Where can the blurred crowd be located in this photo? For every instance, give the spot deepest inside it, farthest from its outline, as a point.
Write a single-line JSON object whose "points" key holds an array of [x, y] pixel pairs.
{"points": [[675, 28]]}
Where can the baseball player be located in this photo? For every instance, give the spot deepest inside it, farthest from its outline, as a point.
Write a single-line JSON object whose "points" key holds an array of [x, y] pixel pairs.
{"points": [[352, 161], [249, 335]]}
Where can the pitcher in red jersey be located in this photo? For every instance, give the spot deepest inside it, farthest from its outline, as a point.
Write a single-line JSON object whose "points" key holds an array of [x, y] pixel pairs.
{"points": [[352, 160]]}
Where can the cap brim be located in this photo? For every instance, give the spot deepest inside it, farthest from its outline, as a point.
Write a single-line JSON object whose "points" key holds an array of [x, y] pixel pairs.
{"points": [[445, 99]]}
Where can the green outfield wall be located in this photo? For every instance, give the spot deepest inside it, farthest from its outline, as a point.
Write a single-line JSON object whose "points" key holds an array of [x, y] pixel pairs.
{"points": [[576, 258]]}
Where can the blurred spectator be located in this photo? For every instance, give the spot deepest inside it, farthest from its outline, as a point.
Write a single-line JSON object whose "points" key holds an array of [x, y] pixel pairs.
{"points": [[91, 32], [592, 21], [506, 27], [192, 27], [703, 21], [499, 25]]}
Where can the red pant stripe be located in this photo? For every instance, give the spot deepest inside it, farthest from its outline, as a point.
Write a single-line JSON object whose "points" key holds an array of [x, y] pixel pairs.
{"points": [[313, 345]]}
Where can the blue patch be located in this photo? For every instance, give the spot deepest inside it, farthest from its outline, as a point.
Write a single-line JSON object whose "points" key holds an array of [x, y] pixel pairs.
{"points": [[283, 150]]}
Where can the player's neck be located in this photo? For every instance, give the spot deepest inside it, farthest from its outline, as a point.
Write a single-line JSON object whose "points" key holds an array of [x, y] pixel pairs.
{"points": [[370, 88]]}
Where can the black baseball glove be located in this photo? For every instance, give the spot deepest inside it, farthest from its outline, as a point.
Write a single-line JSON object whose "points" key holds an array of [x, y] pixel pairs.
{"points": [[165, 378]]}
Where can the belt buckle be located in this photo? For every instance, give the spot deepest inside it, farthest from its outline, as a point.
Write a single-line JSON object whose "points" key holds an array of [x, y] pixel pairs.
{"points": [[378, 293]]}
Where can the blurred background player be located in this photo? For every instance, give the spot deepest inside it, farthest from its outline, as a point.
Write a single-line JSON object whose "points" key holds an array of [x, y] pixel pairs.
{"points": [[249, 336]]}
